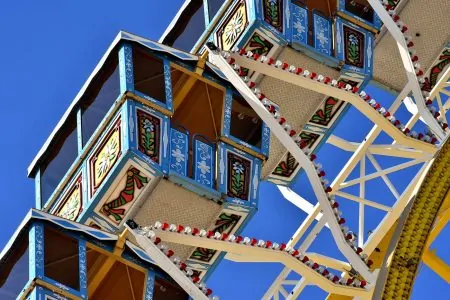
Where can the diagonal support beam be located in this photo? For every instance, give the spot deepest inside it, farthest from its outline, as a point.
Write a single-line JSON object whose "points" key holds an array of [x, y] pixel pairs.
{"points": [[380, 172], [385, 150], [299, 287], [383, 175], [363, 201]]}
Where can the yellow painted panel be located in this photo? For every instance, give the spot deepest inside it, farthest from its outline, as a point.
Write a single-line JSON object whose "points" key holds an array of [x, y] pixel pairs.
{"points": [[234, 27]]}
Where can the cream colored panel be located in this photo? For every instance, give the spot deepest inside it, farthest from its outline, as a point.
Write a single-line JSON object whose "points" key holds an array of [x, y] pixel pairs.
{"points": [[173, 204], [431, 19]]}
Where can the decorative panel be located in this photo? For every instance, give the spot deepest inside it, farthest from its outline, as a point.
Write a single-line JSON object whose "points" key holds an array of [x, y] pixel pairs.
{"points": [[273, 13], [325, 115], [310, 138], [149, 135], [233, 27], [257, 44], [122, 198], [179, 148], [227, 112], [354, 45], [432, 76], [238, 181], [204, 162], [225, 223], [322, 34], [300, 24], [105, 157], [72, 203], [328, 110], [286, 167], [354, 42]]}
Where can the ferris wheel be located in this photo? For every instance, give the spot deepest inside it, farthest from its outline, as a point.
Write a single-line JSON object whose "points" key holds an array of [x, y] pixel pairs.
{"points": [[411, 133]]}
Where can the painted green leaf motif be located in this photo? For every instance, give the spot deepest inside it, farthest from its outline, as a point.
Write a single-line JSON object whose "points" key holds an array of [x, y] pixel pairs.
{"points": [[439, 67], [203, 254], [226, 222], [149, 135], [238, 177], [353, 53], [114, 208], [272, 15], [149, 142]]}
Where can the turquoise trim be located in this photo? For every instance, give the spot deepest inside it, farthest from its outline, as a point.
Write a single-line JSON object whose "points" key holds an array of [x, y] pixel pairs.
{"points": [[149, 285], [368, 46], [265, 141], [126, 68], [37, 190], [57, 192], [82, 260], [36, 250], [68, 186], [164, 156], [254, 180], [79, 131], [206, 12], [168, 85], [125, 115]]}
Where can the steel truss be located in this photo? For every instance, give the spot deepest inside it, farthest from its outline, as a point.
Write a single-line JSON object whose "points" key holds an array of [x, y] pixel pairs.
{"points": [[407, 145]]}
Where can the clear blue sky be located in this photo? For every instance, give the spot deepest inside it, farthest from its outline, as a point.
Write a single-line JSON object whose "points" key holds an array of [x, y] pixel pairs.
{"points": [[49, 49]]}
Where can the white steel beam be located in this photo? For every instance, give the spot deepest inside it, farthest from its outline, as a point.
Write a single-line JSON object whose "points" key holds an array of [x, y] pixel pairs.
{"points": [[301, 284], [380, 172], [383, 175], [168, 266], [330, 262], [312, 236], [268, 255], [363, 201], [362, 194], [385, 150], [409, 67], [342, 94], [302, 159], [299, 201]]}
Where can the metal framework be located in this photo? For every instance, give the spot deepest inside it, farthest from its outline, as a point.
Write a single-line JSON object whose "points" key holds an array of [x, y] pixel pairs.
{"points": [[324, 214]]}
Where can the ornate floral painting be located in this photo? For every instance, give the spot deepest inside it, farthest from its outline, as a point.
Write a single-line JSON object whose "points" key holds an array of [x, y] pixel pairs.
{"points": [[105, 157], [72, 204]]}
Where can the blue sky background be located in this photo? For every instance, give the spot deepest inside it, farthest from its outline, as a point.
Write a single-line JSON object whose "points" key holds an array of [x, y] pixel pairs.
{"points": [[48, 50]]}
